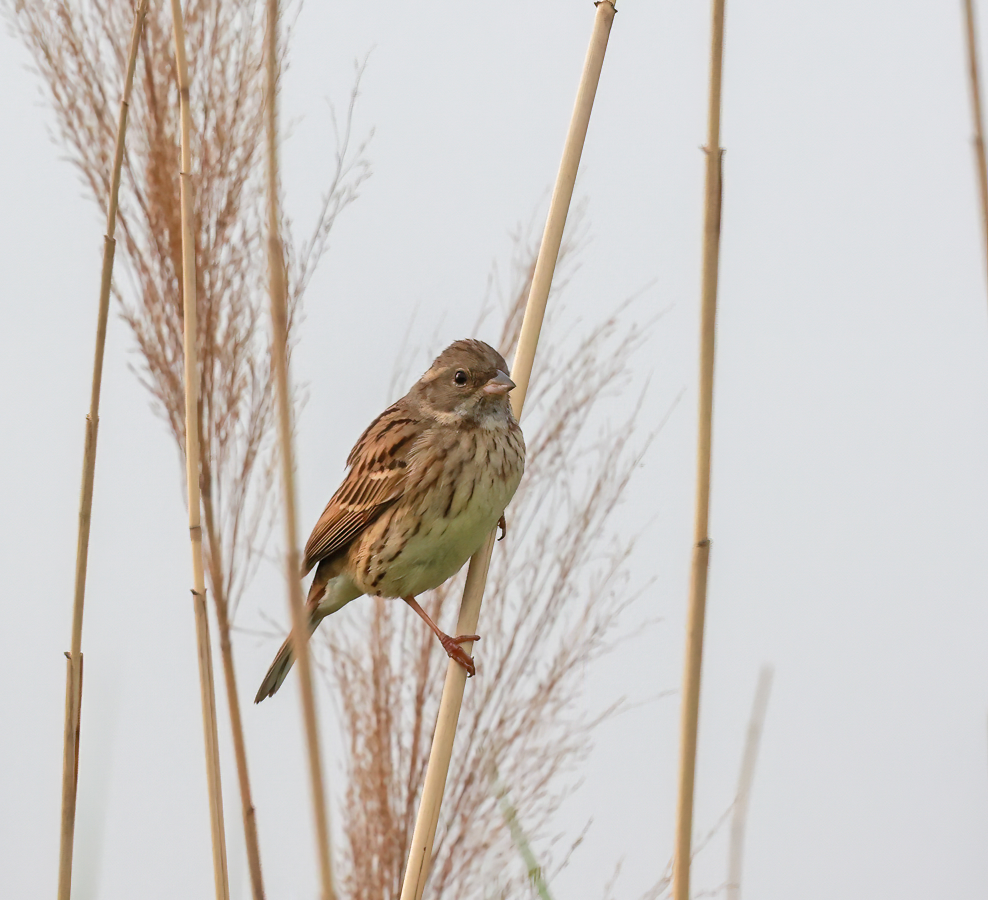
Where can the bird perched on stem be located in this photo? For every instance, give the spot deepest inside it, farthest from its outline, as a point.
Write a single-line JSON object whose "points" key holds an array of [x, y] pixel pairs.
{"points": [[427, 482]]}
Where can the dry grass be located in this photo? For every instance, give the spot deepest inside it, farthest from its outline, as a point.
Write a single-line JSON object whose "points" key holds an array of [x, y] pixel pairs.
{"points": [[556, 587], [79, 50]]}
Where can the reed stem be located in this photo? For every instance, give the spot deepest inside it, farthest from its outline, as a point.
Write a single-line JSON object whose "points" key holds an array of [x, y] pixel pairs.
{"points": [[979, 142], [73, 679], [233, 698], [420, 851], [206, 683], [739, 816], [701, 540], [279, 343]]}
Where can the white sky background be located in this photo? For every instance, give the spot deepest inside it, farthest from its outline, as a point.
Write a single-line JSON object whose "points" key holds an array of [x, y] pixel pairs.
{"points": [[850, 440]]}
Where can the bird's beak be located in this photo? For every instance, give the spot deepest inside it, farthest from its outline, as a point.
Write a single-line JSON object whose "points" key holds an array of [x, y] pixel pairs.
{"points": [[499, 384]]}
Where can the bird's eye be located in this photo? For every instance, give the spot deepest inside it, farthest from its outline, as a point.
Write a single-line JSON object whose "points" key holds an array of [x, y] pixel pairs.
{"points": [[460, 377]]}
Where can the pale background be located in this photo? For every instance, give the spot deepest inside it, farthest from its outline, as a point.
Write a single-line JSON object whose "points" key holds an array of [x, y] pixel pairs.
{"points": [[850, 444]]}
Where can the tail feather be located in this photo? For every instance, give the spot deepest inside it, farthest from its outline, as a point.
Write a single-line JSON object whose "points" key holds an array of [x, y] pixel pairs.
{"points": [[328, 592], [282, 665]]}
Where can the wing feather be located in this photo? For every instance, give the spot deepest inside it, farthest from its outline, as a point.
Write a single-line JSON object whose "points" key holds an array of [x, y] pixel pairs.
{"points": [[376, 479]]}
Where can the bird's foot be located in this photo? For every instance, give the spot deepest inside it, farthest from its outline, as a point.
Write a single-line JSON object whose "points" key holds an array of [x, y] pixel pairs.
{"points": [[503, 525], [453, 649]]}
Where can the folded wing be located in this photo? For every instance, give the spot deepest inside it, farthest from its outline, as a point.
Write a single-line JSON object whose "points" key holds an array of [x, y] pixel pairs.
{"points": [[377, 476]]}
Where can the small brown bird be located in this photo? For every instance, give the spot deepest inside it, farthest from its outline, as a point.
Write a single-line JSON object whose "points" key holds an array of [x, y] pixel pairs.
{"points": [[427, 482]]}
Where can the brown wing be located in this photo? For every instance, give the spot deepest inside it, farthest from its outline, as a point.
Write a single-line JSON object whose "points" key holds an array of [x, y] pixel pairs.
{"points": [[376, 479]]}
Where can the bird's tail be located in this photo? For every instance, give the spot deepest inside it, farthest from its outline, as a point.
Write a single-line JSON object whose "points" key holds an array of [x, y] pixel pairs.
{"points": [[283, 662]]}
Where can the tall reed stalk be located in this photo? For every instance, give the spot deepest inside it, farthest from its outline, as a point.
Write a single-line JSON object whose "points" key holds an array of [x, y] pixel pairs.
{"points": [[746, 777], [701, 540], [279, 339], [73, 681], [979, 142], [220, 601], [206, 685], [420, 851]]}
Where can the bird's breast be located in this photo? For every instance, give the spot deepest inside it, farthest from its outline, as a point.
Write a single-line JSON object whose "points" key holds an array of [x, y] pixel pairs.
{"points": [[453, 501]]}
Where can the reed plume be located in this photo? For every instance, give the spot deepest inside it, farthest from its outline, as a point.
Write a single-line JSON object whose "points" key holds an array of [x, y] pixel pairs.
{"points": [[79, 51]]}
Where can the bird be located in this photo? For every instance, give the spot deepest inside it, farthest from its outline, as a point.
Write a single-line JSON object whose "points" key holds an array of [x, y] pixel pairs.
{"points": [[426, 483]]}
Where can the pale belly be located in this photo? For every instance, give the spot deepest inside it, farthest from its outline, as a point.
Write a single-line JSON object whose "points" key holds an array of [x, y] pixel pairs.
{"points": [[430, 558], [413, 552]]}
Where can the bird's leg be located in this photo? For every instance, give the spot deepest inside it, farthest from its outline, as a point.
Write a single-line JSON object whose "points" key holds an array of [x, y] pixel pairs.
{"points": [[503, 525], [450, 644]]}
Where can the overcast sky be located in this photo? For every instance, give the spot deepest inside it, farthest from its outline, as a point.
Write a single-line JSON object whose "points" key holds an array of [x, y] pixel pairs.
{"points": [[850, 490]]}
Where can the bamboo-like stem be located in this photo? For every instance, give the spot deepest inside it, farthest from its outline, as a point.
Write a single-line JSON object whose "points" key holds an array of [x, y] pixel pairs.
{"points": [[746, 776], [279, 352], [206, 684], [73, 679], [701, 540], [233, 699], [420, 851], [979, 143]]}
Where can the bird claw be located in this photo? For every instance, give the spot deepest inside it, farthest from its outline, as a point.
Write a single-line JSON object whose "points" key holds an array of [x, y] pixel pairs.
{"points": [[503, 525], [455, 652]]}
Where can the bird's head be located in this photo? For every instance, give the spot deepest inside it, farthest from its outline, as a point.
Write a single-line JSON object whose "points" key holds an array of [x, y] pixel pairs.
{"points": [[468, 382]]}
